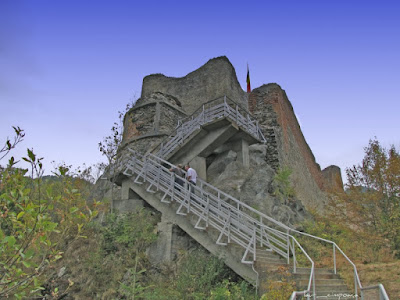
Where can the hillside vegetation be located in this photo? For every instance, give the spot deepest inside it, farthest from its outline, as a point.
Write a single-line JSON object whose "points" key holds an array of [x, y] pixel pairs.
{"points": [[55, 244]]}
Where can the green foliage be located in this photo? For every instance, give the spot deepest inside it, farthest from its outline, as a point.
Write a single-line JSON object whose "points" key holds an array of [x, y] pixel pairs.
{"points": [[32, 225], [120, 251], [374, 192], [281, 288], [11, 144], [197, 274], [232, 290], [203, 276], [282, 185], [134, 231]]}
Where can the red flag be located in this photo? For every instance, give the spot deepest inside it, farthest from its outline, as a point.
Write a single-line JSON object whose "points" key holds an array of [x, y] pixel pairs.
{"points": [[248, 80]]}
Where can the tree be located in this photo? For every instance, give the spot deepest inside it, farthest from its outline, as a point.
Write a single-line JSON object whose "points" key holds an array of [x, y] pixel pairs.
{"points": [[111, 143], [373, 194], [110, 146]]}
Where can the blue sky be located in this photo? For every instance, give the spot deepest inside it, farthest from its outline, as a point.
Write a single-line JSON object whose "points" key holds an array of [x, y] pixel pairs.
{"points": [[67, 67]]}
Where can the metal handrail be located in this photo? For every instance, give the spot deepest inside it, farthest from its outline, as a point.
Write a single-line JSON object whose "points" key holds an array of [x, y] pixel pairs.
{"points": [[235, 220], [357, 281], [266, 235], [225, 107], [222, 107], [381, 290]]}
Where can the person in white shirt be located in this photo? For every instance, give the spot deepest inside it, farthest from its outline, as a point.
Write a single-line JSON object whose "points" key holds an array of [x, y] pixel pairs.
{"points": [[191, 176]]}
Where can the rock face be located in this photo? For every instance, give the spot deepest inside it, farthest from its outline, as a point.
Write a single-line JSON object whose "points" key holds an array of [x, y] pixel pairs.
{"points": [[214, 79], [254, 185]]}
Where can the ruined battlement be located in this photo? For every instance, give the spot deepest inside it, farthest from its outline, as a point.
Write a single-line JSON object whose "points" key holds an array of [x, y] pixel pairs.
{"points": [[214, 79]]}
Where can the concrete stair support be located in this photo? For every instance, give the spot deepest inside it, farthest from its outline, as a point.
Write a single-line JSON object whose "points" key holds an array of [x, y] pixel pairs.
{"points": [[202, 143], [231, 259]]}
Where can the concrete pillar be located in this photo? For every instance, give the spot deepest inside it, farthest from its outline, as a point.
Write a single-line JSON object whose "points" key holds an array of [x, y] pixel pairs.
{"points": [[126, 192], [130, 201], [199, 164], [161, 250], [243, 153]]}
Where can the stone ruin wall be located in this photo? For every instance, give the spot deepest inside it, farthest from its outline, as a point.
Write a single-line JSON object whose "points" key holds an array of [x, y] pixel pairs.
{"points": [[152, 119], [333, 178], [213, 80], [271, 106], [164, 100]]}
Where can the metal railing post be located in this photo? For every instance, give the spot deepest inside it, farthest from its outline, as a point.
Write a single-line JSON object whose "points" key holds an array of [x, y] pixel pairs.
{"points": [[172, 184], [254, 244], [288, 246], [334, 258], [225, 106], [158, 178], [261, 231], [355, 282], [145, 169], [294, 257], [314, 296], [229, 226], [208, 209], [237, 114]]}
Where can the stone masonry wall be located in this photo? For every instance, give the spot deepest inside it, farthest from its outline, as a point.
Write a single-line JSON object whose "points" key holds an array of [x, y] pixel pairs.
{"points": [[168, 118], [214, 79], [151, 119], [287, 145], [139, 122], [333, 178]]}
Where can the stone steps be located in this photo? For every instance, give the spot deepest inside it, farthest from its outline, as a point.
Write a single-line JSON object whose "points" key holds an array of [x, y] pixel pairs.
{"points": [[327, 284]]}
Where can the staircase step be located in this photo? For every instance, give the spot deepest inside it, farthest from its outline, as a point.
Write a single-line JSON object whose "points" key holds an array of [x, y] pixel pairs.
{"points": [[321, 282], [332, 288], [306, 276], [267, 254], [318, 271], [333, 295], [265, 258], [265, 267]]}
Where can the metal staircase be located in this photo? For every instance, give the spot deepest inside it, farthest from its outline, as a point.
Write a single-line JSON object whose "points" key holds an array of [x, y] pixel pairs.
{"points": [[264, 242], [208, 113]]}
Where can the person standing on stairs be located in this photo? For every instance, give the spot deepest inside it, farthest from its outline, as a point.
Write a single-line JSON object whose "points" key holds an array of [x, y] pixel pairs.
{"points": [[191, 176], [178, 172]]}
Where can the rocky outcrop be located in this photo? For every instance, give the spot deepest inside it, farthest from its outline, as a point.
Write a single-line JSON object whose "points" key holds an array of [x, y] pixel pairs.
{"points": [[254, 185], [214, 79]]}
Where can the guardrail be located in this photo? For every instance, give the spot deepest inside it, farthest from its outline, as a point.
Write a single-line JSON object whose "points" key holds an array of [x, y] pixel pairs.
{"points": [[235, 221], [380, 289], [221, 210], [222, 107]]}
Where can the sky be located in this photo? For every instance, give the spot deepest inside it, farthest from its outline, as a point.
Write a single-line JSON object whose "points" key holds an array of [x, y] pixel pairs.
{"points": [[68, 67]]}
